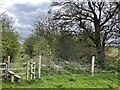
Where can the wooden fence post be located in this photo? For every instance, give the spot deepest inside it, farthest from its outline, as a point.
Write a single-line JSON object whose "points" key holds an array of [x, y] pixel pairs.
{"points": [[8, 62], [27, 71], [6, 71], [39, 66], [7, 66], [8, 58], [92, 67]]}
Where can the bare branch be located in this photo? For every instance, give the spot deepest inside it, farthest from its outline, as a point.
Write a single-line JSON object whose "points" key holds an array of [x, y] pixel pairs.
{"points": [[110, 15]]}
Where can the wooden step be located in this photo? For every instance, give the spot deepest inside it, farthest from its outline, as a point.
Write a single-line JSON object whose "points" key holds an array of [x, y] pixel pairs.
{"points": [[16, 76], [11, 72]]}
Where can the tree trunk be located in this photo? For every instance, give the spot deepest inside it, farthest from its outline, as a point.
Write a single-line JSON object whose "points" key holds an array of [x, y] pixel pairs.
{"points": [[98, 43], [101, 57]]}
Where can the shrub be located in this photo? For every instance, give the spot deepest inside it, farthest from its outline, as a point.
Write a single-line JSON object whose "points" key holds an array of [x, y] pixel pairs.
{"points": [[75, 69], [112, 65]]}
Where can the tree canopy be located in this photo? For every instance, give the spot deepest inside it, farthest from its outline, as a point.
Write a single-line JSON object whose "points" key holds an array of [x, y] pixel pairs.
{"points": [[9, 40], [96, 20]]}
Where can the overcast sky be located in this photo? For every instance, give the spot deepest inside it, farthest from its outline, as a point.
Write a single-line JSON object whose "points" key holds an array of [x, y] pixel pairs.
{"points": [[24, 12]]}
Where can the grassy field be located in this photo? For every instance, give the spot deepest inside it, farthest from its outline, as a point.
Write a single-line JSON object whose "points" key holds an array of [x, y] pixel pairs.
{"points": [[100, 80], [68, 80]]}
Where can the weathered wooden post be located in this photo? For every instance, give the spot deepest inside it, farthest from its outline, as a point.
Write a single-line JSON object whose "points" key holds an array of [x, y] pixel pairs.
{"points": [[92, 67], [27, 71], [39, 65], [6, 71], [7, 66], [12, 77], [8, 59]]}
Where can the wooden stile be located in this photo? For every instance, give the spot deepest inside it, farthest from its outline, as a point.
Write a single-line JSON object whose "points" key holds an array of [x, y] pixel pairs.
{"points": [[30, 70]]}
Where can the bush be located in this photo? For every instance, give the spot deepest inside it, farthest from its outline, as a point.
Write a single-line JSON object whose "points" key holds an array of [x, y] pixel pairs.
{"points": [[45, 70], [75, 69], [112, 65]]}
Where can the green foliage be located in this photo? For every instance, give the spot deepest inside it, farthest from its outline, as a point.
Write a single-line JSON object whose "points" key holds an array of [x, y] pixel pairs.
{"points": [[74, 69], [35, 44], [28, 45], [9, 38], [9, 44], [112, 64], [66, 46], [42, 45], [62, 44], [112, 50], [72, 79], [112, 59], [73, 48]]}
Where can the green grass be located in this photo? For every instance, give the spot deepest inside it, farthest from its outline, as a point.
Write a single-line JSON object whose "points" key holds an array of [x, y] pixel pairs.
{"points": [[100, 80]]}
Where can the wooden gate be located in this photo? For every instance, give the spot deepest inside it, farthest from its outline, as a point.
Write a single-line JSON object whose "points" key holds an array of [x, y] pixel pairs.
{"points": [[18, 70]]}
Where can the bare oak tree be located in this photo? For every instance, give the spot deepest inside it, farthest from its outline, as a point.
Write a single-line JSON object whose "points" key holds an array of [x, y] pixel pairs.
{"points": [[97, 20]]}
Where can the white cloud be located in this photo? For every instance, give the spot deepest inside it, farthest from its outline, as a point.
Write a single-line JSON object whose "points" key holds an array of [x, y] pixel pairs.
{"points": [[11, 2], [2, 8], [22, 13]]}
